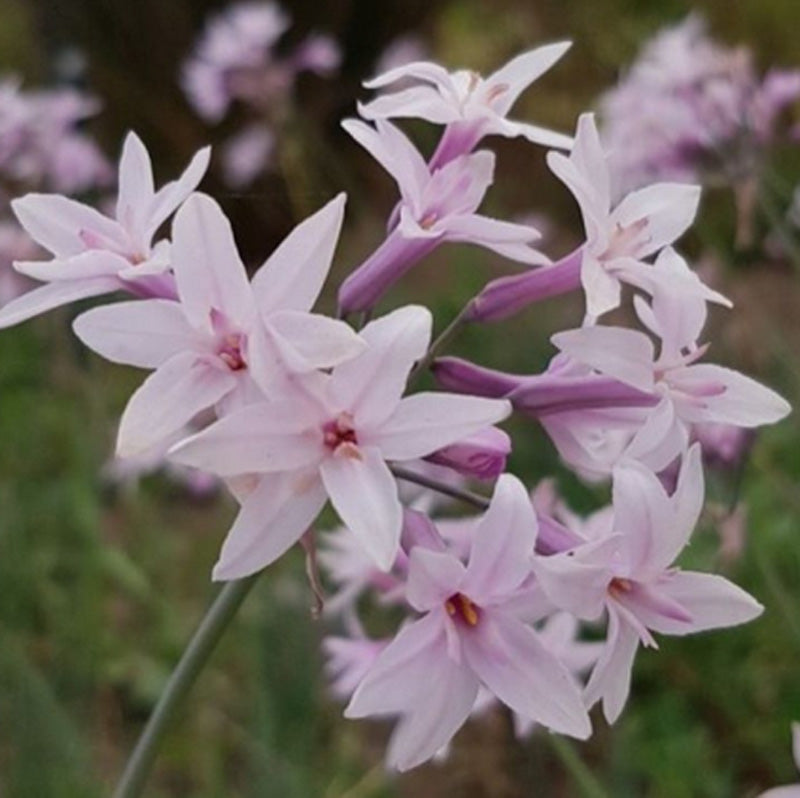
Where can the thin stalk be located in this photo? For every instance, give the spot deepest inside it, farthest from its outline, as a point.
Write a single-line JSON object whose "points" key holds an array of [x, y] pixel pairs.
{"points": [[191, 663], [441, 342], [475, 499], [779, 226], [586, 781]]}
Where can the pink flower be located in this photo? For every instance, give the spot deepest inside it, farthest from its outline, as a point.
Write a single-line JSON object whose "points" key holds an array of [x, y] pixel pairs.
{"points": [[619, 238], [203, 346], [690, 109], [236, 59], [790, 791], [470, 635], [471, 106], [690, 392], [331, 436], [629, 573], [436, 206], [94, 254]]}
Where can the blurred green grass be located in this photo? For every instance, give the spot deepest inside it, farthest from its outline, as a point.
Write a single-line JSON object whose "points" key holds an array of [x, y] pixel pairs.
{"points": [[100, 589]]}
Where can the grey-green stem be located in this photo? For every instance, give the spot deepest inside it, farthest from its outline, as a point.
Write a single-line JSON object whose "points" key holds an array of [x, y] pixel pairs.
{"points": [[191, 663]]}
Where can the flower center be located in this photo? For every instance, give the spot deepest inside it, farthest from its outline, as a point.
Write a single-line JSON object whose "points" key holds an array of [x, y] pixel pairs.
{"points": [[619, 586], [460, 607], [230, 352], [627, 240], [340, 437]]}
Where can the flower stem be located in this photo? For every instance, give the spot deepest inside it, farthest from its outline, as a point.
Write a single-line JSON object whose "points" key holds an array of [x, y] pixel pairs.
{"points": [[441, 341], [476, 500], [586, 781], [191, 663]]}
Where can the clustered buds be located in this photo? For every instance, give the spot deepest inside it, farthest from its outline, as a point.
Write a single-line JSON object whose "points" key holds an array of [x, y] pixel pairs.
{"points": [[307, 409]]}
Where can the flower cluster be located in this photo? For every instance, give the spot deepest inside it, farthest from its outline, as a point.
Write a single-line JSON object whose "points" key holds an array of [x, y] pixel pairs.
{"points": [[307, 409], [236, 61], [692, 109]]}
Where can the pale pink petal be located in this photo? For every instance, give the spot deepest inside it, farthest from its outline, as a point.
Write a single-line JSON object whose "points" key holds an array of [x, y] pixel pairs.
{"points": [[502, 545], [438, 715], [600, 285], [136, 189], [712, 602], [789, 791], [740, 401], [57, 222], [507, 239], [433, 577], [590, 160], [396, 154], [592, 204], [168, 399], [661, 438], [292, 277], [626, 355], [53, 295], [370, 385], [669, 209], [425, 422], [687, 504], [83, 266], [642, 514], [500, 126], [577, 581], [364, 494], [796, 744], [272, 518], [170, 196], [399, 674], [308, 341], [262, 438], [208, 269], [422, 102], [416, 70], [520, 72], [515, 665], [611, 677], [143, 333]]}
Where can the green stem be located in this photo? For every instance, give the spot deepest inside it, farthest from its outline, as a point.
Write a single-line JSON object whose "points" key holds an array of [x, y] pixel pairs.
{"points": [[587, 783], [444, 338], [191, 663]]}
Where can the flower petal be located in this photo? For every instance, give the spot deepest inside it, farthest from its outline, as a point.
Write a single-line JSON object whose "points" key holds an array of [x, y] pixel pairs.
{"points": [[308, 341], [370, 385], [209, 272], [611, 677], [433, 576], [293, 275], [501, 556], [143, 333], [712, 602], [53, 295], [426, 421], [624, 354], [168, 399], [264, 437], [273, 517], [364, 494], [517, 667], [57, 222]]}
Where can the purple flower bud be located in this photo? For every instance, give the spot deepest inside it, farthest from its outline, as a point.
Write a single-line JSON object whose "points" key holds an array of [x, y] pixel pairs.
{"points": [[506, 296], [482, 455]]}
